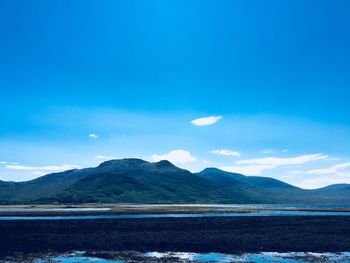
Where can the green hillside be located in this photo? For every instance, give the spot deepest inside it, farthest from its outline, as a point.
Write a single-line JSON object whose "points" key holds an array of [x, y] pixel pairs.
{"points": [[138, 181]]}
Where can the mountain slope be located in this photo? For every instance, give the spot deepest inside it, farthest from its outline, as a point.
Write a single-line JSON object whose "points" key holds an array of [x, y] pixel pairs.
{"points": [[134, 180], [269, 190], [257, 189], [126, 180], [138, 181], [256, 181], [334, 193]]}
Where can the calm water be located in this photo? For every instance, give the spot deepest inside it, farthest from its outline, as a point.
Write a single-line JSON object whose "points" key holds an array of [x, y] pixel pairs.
{"points": [[266, 257], [229, 210], [262, 213]]}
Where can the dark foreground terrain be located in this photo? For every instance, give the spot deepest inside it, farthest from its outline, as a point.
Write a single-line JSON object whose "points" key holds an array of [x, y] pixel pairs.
{"points": [[226, 235]]}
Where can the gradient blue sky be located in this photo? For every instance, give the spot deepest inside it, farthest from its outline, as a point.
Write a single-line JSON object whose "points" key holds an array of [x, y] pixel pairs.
{"points": [[136, 73]]}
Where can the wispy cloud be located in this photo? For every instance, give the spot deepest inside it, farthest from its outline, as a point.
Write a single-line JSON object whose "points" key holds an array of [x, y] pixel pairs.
{"points": [[331, 170], [175, 156], [5, 162], [312, 183], [257, 166], [38, 173], [336, 174], [226, 152], [205, 121], [42, 169], [104, 157], [285, 161], [93, 136], [274, 151]]}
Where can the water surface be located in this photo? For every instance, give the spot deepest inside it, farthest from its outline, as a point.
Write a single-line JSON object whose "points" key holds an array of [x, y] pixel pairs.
{"points": [[261, 213], [265, 257]]}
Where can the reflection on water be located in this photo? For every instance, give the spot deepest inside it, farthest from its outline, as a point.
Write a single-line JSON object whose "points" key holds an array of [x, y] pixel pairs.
{"points": [[76, 259], [266, 257], [259, 213]]}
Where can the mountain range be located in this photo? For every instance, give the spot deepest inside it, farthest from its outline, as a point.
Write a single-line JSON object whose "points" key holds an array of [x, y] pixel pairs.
{"points": [[137, 181]]}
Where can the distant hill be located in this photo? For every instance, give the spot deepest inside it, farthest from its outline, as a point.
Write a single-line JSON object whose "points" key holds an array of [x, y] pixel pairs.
{"points": [[138, 181], [252, 189]]}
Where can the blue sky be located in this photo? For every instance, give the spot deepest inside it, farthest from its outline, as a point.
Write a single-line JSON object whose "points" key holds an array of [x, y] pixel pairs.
{"points": [[137, 73]]}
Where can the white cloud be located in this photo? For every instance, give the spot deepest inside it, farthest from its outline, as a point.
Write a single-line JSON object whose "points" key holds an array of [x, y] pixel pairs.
{"points": [[39, 173], [93, 136], [331, 170], [205, 121], [247, 170], [52, 168], [316, 178], [285, 161], [4, 162], [104, 157], [226, 152], [273, 151], [319, 182], [175, 156], [257, 166]]}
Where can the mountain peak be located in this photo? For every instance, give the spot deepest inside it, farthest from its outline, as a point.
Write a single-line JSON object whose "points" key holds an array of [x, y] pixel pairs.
{"points": [[129, 161], [164, 163], [211, 170]]}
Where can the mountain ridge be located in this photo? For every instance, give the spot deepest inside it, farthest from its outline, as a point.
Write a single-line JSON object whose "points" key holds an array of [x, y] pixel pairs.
{"points": [[133, 180]]}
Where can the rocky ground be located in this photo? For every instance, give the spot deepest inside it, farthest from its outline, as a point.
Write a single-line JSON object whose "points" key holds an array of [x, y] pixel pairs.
{"points": [[214, 234]]}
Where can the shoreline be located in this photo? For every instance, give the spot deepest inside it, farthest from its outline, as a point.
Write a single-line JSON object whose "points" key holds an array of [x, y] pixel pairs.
{"points": [[136, 209]]}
